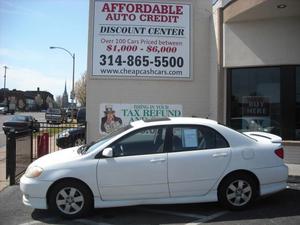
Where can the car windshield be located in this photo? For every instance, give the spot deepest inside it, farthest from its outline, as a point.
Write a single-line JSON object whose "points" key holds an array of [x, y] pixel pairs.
{"points": [[95, 145]]}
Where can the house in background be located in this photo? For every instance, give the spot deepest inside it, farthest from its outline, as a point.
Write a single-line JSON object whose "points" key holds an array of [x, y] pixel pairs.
{"points": [[27, 100]]}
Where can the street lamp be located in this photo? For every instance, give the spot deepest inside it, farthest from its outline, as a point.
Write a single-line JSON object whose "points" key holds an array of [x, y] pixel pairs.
{"points": [[72, 95], [4, 92]]}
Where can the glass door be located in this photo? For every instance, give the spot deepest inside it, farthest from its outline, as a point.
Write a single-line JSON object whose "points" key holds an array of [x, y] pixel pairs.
{"points": [[297, 132], [255, 99]]}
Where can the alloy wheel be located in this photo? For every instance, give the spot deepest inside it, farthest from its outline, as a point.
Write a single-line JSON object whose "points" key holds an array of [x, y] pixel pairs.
{"points": [[239, 193], [69, 200]]}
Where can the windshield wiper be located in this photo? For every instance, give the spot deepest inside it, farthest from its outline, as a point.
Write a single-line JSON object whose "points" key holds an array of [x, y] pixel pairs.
{"points": [[84, 148]]}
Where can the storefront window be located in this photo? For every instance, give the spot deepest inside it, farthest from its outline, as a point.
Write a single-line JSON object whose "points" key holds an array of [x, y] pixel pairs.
{"points": [[298, 102], [255, 99]]}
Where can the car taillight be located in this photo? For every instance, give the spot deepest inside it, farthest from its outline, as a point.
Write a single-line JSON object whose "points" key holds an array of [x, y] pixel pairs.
{"points": [[280, 153]]}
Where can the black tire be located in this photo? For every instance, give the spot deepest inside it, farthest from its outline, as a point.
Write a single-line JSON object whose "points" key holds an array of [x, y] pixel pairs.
{"points": [[237, 192], [70, 199]]}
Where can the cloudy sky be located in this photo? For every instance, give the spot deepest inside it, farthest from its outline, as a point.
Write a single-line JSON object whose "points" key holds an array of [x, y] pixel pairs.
{"points": [[28, 28]]}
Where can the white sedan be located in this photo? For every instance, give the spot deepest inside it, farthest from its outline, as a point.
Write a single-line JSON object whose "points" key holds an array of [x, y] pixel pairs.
{"points": [[164, 161]]}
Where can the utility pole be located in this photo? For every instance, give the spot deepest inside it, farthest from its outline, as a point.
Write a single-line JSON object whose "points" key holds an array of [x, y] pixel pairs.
{"points": [[4, 92]]}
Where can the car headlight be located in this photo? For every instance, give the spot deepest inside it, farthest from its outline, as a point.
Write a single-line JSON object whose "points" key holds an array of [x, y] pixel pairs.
{"points": [[34, 171], [64, 134]]}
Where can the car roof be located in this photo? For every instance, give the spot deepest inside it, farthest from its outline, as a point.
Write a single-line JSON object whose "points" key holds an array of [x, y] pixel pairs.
{"points": [[173, 121]]}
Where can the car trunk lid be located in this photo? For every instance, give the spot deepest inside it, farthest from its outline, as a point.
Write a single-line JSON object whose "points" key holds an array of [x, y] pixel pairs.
{"points": [[264, 137]]}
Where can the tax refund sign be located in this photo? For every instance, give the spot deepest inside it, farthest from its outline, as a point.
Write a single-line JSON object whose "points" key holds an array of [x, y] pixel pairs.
{"points": [[115, 115], [142, 39]]}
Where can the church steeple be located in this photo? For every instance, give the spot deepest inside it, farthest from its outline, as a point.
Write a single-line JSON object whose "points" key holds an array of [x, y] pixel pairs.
{"points": [[65, 97], [65, 92]]}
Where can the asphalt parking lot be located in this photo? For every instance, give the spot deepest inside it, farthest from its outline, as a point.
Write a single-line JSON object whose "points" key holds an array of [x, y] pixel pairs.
{"points": [[281, 208]]}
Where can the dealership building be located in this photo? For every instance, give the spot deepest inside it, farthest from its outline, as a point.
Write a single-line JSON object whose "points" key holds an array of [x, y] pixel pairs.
{"points": [[236, 62]]}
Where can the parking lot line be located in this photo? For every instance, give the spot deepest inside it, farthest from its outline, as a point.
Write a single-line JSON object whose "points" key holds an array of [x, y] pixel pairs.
{"points": [[207, 218], [83, 221], [90, 222], [31, 222], [50, 220], [197, 216]]}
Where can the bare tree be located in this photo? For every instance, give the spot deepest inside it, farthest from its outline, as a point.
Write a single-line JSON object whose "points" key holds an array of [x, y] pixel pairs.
{"points": [[80, 89], [12, 100], [58, 100], [49, 101], [39, 101], [21, 104]]}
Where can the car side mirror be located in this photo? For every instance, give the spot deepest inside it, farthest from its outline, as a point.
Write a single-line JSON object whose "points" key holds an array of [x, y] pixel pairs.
{"points": [[107, 153]]}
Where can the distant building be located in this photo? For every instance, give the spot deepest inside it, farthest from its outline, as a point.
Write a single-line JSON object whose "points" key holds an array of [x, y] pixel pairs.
{"points": [[27, 100], [65, 98]]}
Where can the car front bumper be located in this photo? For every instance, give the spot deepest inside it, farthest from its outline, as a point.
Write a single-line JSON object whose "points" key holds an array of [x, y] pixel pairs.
{"points": [[34, 192]]}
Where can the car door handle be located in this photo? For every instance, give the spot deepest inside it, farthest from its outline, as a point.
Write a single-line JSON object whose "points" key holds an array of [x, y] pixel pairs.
{"points": [[221, 154], [157, 160]]}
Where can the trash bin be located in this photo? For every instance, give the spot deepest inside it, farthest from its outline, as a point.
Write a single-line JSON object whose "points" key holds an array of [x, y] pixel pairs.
{"points": [[42, 145]]}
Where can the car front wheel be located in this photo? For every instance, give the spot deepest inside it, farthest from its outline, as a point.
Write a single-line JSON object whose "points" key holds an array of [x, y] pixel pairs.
{"points": [[70, 199], [237, 192]]}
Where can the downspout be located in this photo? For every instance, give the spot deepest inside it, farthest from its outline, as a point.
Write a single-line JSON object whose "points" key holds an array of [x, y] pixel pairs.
{"points": [[221, 79]]}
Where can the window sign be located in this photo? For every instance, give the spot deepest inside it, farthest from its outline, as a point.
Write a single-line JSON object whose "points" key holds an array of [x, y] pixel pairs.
{"points": [[256, 106], [142, 39], [190, 139]]}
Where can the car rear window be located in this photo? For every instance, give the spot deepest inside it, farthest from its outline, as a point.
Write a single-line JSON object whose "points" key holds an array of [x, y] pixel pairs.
{"points": [[54, 111]]}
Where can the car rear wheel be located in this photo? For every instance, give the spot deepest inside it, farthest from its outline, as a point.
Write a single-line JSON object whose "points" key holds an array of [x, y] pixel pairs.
{"points": [[70, 199], [237, 192]]}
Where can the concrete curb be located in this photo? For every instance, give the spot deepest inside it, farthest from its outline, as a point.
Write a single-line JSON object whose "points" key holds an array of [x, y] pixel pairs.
{"points": [[291, 143], [293, 179]]}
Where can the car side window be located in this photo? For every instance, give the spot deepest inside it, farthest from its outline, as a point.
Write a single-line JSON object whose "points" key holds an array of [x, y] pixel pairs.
{"points": [[213, 139], [185, 138], [142, 142]]}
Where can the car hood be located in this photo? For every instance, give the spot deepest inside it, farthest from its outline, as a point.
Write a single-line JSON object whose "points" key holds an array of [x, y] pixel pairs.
{"points": [[53, 160], [14, 122], [72, 130]]}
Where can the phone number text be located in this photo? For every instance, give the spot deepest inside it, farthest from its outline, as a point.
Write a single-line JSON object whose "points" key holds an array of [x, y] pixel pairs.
{"points": [[137, 61]]}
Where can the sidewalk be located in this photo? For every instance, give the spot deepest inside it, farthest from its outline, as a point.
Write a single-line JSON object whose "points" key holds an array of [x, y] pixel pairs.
{"points": [[294, 173], [292, 160], [3, 182]]}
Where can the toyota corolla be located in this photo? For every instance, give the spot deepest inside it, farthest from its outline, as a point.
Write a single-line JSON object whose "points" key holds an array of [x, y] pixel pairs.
{"points": [[163, 161]]}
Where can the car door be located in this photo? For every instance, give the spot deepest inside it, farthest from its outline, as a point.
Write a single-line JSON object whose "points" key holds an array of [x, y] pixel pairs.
{"points": [[196, 159], [138, 168]]}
